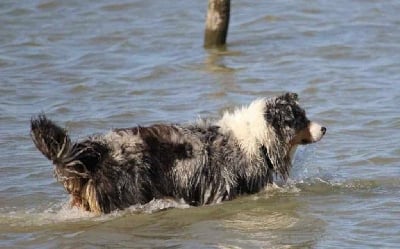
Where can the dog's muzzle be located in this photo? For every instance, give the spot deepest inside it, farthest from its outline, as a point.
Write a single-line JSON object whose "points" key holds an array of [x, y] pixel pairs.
{"points": [[317, 131]]}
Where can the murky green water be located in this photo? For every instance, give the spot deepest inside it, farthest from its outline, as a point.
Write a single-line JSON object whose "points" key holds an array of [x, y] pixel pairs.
{"points": [[95, 65]]}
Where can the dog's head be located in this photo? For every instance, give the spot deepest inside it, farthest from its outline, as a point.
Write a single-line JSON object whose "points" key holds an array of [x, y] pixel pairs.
{"points": [[291, 128], [290, 122]]}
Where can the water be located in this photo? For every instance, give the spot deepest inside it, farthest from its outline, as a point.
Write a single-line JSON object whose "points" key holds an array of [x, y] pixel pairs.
{"points": [[95, 65]]}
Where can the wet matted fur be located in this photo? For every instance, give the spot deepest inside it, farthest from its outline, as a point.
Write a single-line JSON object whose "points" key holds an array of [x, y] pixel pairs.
{"points": [[202, 163]]}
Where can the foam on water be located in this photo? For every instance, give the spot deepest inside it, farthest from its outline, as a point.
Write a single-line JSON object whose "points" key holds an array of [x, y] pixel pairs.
{"points": [[59, 212], [64, 213]]}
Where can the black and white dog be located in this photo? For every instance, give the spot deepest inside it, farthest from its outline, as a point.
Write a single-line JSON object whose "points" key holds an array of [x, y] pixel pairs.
{"points": [[201, 163]]}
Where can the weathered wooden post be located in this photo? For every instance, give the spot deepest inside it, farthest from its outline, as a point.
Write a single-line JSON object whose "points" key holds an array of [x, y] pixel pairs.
{"points": [[217, 23]]}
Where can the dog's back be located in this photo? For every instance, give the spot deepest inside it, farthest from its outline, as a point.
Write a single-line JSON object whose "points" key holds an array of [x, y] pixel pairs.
{"points": [[102, 173], [134, 165]]}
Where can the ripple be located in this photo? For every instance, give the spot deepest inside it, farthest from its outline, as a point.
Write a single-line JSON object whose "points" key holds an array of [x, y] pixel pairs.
{"points": [[94, 65], [49, 5], [80, 88], [119, 6], [372, 186]]}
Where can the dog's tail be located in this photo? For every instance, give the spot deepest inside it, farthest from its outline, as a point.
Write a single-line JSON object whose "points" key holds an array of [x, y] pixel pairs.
{"points": [[71, 159], [50, 139]]}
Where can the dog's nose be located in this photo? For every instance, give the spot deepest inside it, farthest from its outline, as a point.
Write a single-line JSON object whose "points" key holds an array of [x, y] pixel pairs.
{"points": [[323, 130]]}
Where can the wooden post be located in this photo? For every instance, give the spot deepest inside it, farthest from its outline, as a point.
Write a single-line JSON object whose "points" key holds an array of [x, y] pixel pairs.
{"points": [[217, 23]]}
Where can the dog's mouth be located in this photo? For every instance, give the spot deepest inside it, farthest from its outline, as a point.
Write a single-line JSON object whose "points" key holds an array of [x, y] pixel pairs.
{"points": [[305, 141], [316, 131]]}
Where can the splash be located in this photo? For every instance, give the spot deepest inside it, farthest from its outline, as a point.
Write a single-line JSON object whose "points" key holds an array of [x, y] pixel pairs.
{"points": [[158, 205], [63, 213]]}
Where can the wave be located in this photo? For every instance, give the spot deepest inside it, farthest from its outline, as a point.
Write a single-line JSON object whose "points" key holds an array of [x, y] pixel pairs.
{"points": [[321, 185], [59, 214], [63, 213]]}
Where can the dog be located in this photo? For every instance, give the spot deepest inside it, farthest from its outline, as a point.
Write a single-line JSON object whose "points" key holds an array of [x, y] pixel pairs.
{"points": [[201, 163]]}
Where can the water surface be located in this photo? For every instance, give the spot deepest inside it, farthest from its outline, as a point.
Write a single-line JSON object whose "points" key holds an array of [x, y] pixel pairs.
{"points": [[97, 65]]}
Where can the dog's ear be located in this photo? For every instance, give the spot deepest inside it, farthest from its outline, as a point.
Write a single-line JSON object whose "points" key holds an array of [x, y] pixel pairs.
{"points": [[291, 96], [279, 113]]}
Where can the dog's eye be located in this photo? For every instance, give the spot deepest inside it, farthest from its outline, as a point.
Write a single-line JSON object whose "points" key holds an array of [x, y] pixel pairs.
{"points": [[304, 123]]}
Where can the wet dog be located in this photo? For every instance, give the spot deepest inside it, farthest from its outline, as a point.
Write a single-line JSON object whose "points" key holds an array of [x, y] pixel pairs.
{"points": [[201, 163]]}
